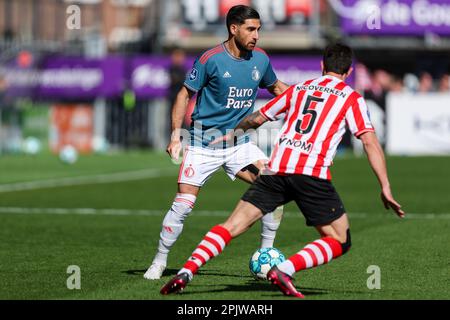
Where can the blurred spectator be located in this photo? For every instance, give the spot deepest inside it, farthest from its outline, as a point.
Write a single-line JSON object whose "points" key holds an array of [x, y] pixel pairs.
{"points": [[444, 83], [411, 82], [177, 74], [381, 82], [3, 87], [363, 80], [380, 85], [396, 84], [377, 85], [425, 82], [2, 83]]}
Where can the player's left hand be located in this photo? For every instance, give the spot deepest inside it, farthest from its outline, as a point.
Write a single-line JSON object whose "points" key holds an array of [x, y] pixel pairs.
{"points": [[390, 203]]}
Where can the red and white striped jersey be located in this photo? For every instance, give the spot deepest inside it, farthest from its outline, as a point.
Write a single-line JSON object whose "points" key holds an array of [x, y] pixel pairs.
{"points": [[316, 113]]}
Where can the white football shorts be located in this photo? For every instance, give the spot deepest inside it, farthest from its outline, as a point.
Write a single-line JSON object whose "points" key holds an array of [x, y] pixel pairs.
{"points": [[199, 163]]}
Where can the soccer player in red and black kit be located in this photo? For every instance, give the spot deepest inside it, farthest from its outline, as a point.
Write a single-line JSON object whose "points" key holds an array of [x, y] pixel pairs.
{"points": [[316, 113]]}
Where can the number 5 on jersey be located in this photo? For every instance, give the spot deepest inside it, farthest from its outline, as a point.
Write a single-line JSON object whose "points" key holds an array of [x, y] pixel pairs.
{"points": [[304, 125]]}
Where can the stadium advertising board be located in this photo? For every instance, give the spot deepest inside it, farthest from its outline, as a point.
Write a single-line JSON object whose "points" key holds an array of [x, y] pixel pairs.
{"points": [[76, 77], [150, 78], [63, 77], [150, 75], [21, 78], [395, 17], [71, 124], [292, 70], [418, 124], [203, 15]]}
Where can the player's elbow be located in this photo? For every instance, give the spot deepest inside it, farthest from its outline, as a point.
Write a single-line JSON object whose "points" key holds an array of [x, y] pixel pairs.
{"points": [[184, 94]]}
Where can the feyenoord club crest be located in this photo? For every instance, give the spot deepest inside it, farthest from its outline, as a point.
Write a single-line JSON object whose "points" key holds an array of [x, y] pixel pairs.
{"points": [[255, 74], [189, 172]]}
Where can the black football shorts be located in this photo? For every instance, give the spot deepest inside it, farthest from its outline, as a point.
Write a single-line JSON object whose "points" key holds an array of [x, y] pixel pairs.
{"points": [[316, 198]]}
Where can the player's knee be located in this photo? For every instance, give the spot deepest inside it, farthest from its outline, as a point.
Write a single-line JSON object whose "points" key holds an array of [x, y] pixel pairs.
{"points": [[183, 205], [347, 243], [269, 223], [273, 219]]}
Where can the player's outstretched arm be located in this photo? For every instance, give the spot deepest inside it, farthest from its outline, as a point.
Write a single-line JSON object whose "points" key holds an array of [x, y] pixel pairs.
{"points": [[278, 88], [178, 113], [252, 121], [377, 161]]}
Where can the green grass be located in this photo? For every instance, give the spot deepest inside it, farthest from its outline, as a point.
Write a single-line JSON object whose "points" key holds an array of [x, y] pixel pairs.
{"points": [[113, 251]]}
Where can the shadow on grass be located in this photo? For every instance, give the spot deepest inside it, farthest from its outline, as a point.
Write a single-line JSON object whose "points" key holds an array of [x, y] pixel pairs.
{"points": [[172, 272], [140, 272], [254, 286], [251, 285]]}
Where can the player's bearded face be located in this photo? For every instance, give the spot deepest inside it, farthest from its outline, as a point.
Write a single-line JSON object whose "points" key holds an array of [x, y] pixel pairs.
{"points": [[247, 34]]}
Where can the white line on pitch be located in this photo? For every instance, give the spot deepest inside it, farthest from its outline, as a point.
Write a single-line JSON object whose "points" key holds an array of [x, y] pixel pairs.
{"points": [[207, 213], [92, 179]]}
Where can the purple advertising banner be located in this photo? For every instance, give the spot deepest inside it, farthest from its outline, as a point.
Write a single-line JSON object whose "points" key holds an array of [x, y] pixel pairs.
{"points": [[150, 77], [395, 17], [81, 78], [74, 78], [21, 80], [292, 70]]}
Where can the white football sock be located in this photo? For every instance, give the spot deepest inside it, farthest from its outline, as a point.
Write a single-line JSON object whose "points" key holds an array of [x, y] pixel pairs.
{"points": [[287, 267], [269, 226], [173, 225]]}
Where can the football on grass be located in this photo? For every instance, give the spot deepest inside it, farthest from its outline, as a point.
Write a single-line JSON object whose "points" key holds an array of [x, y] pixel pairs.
{"points": [[264, 259]]}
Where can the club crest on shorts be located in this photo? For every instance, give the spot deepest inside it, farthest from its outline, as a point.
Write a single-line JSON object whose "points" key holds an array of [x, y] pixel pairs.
{"points": [[189, 172], [255, 74]]}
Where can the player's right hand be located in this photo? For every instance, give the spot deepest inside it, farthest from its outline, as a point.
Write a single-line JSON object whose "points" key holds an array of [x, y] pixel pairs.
{"points": [[390, 203], [174, 149]]}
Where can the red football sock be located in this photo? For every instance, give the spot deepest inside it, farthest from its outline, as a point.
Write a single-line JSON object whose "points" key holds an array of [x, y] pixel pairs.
{"points": [[316, 253], [212, 245]]}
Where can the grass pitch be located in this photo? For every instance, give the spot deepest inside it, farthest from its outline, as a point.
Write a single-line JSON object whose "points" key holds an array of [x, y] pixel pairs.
{"points": [[104, 213]]}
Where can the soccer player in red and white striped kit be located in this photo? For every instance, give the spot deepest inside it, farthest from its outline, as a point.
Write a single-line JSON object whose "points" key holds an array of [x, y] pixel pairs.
{"points": [[316, 113]]}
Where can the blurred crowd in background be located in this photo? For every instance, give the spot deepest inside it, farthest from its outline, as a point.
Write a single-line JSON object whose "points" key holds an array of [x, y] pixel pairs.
{"points": [[377, 81], [92, 73]]}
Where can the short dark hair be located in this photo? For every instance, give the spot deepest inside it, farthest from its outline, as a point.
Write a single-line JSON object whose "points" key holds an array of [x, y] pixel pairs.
{"points": [[337, 58], [238, 14]]}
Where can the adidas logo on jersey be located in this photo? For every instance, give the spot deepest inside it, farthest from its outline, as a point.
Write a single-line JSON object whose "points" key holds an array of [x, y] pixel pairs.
{"points": [[227, 74]]}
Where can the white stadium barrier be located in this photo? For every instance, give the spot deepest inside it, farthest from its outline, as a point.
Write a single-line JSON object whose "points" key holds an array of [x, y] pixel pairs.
{"points": [[418, 124]]}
